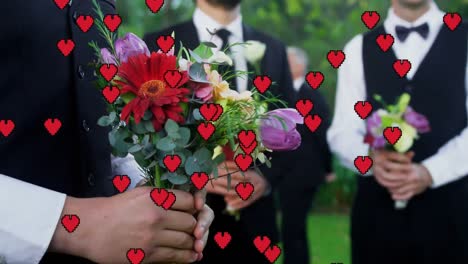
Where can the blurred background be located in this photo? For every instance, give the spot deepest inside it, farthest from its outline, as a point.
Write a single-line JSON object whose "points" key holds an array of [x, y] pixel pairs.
{"points": [[317, 26]]}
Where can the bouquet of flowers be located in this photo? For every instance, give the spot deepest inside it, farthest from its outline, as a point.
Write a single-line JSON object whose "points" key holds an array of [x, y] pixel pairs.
{"points": [[395, 128], [177, 114]]}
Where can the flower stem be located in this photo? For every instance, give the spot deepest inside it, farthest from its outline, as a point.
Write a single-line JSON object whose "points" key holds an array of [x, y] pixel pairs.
{"points": [[157, 177]]}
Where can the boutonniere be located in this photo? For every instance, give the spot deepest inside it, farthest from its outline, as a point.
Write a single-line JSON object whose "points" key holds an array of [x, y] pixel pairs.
{"points": [[254, 51]]}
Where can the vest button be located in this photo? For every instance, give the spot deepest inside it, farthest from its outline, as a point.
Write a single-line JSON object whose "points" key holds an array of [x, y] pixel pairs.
{"points": [[91, 179], [81, 72], [85, 126]]}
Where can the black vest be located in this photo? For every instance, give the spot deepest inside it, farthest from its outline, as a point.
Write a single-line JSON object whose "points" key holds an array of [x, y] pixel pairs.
{"points": [[437, 89], [37, 83]]}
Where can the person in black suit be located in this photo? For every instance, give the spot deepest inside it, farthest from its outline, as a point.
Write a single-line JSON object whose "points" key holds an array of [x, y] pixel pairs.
{"points": [[258, 214], [309, 165], [44, 177]]}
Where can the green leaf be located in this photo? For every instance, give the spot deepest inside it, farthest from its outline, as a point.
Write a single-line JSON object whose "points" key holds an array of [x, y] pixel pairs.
{"points": [[177, 179], [104, 121], [203, 154], [152, 164], [209, 44], [166, 144], [174, 136], [138, 128], [215, 172], [148, 115], [197, 115], [195, 57], [184, 139], [219, 159], [204, 50], [197, 73], [112, 116], [135, 148], [127, 97], [171, 126], [149, 126], [268, 163], [151, 154], [191, 165], [145, 140]]}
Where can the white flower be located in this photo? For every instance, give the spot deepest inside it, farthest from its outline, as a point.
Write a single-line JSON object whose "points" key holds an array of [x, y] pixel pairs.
{"points": [[221, 58], [408, 134], [254, 51], [184, 64], [232, 95]]}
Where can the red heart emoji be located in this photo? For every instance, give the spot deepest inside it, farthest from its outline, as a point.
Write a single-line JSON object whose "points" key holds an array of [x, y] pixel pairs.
{"points": [[208, 111], [370, 19], [219, 112], [154, 5], [243, 161], [304, 106], [402, 67], [262, 243], [85, 23], [70, 222], [313, 122], [363, 109], [273, 253], [61, 3], [363, 164], [247, 138], [315, 79], [66, 46], [336, 58], [244, 190], [199, 179], [172, 162], [53, 126], [165, 43], [392, 134], [108, 71], [135, 255], [112, 22], [171, 199], [172, 77], [159, 196], [206, 130], [250, 149], [262, 83], [222, 239], [111, 94], [6, 127], [121, 182], [452, 20], [385, 41]]}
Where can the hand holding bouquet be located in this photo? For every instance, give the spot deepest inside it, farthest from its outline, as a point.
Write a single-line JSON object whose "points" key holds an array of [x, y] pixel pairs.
{"points": [[395, 128]]}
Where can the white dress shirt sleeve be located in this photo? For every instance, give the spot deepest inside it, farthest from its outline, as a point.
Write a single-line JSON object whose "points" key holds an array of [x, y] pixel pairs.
{"points": [[127, 166], [450, 162], [29, 215], [346, 133]]}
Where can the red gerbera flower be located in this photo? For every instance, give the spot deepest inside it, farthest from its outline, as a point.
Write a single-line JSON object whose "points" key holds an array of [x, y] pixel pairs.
{"points": [[143, 76]]}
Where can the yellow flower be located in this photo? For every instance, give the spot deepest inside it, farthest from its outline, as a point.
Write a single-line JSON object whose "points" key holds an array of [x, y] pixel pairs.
{"points": [[219, 86], [217, 151], [408, 134]]}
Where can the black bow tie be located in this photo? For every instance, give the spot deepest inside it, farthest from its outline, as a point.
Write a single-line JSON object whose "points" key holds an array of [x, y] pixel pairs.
{"points": [[403, 32]]}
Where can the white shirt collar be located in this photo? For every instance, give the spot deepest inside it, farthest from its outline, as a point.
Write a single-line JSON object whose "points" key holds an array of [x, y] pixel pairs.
{"points": [[203, 22], [298, 83], [433, 17]]}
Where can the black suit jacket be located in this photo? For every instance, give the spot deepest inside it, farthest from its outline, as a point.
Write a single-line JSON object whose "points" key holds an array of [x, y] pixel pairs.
{"points": [[274, 65], [37, 83], [313, 159]]}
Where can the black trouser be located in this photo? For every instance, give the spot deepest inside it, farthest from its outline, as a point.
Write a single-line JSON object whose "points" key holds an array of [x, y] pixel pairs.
{"points": [[256, 220], [432, 229], [295, 203]]}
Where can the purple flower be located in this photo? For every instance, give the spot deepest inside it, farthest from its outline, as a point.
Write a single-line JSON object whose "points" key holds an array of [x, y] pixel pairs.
{"points": [[129, 46], [417, 120], [278, 129], [374, 123], [107, 57]]}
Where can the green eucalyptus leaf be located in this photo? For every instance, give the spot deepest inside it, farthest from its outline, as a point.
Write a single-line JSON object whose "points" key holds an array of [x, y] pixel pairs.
{"points": [[151, 154], [135, 148], [138, 128], [127, 97], [152, 164], [149, 126], [148, 115], [112, 116], [145, 140], [219, 159], [104, 121], [171, 126], [177, 179], [191, 165], [184, 139], [203, 154], [197, 73], [166, 144], [197, 115]]}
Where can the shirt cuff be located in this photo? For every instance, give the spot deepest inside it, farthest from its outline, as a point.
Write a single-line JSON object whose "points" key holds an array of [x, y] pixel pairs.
{"points": [[438, 170], [33, 214]]}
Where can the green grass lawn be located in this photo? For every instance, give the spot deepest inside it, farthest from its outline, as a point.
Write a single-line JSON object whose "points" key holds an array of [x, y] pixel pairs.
{"points": [[328, 238]]}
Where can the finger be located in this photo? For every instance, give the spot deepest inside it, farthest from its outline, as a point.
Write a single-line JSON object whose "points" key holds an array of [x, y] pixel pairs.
{"points": [[184, 201], [204, 220], [201, 244], [171, 255], [231, 197], [241, 204], [397, 157], [175, 239], [396, 166], [200, 199], [381, 176], [179, 221]]}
